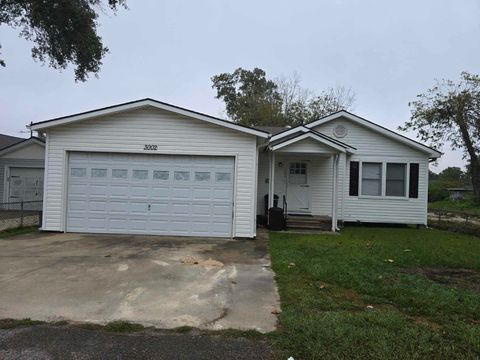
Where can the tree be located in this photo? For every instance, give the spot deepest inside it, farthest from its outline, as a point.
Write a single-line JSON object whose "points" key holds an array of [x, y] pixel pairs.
{"points": [[252, 99], [64, 32], [301, 106], [450, 112]]}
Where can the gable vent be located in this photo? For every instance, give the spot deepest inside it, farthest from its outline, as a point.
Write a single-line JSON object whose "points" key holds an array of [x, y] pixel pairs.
{"points": [[340, 131]]}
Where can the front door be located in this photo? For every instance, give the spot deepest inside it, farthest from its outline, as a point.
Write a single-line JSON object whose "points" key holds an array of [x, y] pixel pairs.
{"points": [[298, 192]]}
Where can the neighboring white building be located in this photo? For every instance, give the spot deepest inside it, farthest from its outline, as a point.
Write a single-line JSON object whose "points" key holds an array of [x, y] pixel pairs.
{"points": [[21, 171], [148, 167]]}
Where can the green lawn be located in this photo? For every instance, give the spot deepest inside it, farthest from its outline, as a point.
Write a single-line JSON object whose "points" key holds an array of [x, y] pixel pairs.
{"points": [[465, 206], [379, 293]]}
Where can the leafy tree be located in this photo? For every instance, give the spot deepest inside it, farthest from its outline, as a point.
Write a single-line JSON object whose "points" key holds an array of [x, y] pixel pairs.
{"points": [[252, 99], [302, 106], [450, 112], [64, 32]]}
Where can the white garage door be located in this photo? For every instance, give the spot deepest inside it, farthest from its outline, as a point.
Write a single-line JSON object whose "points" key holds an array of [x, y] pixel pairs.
{"points": [[150, 194], [26, 184]]}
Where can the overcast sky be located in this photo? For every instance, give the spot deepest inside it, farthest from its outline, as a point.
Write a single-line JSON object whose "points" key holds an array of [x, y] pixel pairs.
{"points": [[386, 51]]}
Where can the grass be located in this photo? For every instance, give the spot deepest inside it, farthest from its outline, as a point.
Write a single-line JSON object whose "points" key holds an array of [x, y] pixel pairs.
{"points": [[17, 231], [123, 327], [14, 323], [378, 293], [466, 206]]}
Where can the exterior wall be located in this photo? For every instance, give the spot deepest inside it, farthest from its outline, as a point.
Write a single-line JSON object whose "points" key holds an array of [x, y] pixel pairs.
{"points": [[128, 132], [31, 151], [374, 147], [6, 163]]}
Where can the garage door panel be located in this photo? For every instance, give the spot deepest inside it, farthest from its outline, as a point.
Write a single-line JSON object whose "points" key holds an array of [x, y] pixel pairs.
{"points": [[201, 209], [139, 191], [98, 206], [160, 208], [202, 194], [222, 194], [119, 190], [97, 189], [150, 194], [160, 193]]}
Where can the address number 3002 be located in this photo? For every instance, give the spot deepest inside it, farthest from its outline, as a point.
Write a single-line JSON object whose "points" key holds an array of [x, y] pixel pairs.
{"points": [[150, 147]]}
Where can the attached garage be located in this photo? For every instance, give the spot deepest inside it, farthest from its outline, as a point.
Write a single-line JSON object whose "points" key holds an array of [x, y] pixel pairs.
{"points": [[147, 167], [150, 194]]}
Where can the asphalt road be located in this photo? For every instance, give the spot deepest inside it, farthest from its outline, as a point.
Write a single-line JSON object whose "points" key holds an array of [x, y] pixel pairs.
{"points": [[44, 342]]}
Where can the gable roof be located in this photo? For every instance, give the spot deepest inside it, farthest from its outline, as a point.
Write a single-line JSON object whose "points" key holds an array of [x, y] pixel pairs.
{"points": [[368, 124], [109, 110], [315, 135], [7, 140], [22, 143]]}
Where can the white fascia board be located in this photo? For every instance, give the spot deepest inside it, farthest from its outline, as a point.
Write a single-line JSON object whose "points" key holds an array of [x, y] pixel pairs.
{"points": [[308, 135], [20, 145], [377, 128], [289, 132], [140, 104]]}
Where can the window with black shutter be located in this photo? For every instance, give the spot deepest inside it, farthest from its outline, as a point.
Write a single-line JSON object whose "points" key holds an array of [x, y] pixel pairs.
{"points": [[354, 175], [413, 188]]}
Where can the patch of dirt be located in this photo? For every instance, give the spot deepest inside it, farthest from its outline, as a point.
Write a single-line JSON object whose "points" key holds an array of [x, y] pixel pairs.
{"points": [[464, 278], [425, 321], [191, 260]]}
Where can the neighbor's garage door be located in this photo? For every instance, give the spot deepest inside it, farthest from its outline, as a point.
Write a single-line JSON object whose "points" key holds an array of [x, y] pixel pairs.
{"points": [[150, 194]]}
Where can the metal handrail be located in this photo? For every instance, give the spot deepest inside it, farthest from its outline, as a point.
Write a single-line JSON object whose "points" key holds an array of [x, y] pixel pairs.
{"points": [[285, 207]]}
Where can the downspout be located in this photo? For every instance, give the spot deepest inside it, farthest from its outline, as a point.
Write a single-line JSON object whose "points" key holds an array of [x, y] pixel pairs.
{"points": [[334, 193]]}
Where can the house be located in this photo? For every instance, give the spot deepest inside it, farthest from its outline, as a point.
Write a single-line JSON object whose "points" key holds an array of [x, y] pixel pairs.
{"points": [[458, 193], [147, 167], [21, 169]]}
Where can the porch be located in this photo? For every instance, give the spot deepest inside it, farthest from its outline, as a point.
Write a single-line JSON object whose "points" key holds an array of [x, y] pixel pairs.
{"points": [[306, 173]]}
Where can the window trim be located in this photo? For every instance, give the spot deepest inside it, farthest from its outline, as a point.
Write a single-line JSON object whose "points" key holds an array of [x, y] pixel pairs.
{"points": [[383, 195]]}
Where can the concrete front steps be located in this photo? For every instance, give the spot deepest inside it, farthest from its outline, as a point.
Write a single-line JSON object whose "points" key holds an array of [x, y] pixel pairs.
{"points": [[309, 223]]}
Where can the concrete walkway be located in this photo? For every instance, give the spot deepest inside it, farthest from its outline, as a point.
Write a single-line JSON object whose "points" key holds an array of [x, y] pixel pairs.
{"points": [[142, 279]]}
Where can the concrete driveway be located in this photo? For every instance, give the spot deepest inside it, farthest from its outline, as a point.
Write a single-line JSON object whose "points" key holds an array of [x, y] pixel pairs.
{"points": [[142, 279]]}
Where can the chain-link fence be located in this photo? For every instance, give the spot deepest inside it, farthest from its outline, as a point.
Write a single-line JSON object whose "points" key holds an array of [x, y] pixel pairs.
{"points": [[19, 214]]}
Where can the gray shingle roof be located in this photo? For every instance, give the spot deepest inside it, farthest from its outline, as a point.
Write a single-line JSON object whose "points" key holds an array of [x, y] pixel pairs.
{"points": [[7, 140]]}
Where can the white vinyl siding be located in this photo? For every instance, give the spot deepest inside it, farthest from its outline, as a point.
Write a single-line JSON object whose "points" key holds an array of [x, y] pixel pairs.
{"points": [[128, 132], [373, 147]]}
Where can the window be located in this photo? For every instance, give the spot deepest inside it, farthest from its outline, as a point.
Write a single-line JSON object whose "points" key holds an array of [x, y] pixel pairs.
{"points": [[140, 174], [298, 168], [222, 177], [297, 173], [161, 175], [202, 176], [396, 175], [78, 172], [182, 175], [99, 173], [371, 179], [119, 173]]}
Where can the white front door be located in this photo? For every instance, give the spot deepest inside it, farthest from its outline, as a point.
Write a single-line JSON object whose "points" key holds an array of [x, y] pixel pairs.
{"points": [[298, 192]]}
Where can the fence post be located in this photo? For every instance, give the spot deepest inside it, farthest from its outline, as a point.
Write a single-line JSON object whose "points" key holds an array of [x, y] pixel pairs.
{"points": [[21, 213]]}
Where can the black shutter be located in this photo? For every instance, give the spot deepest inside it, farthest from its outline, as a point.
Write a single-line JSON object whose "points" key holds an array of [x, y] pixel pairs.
{"points": [[413, 190], [354, 173]]}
